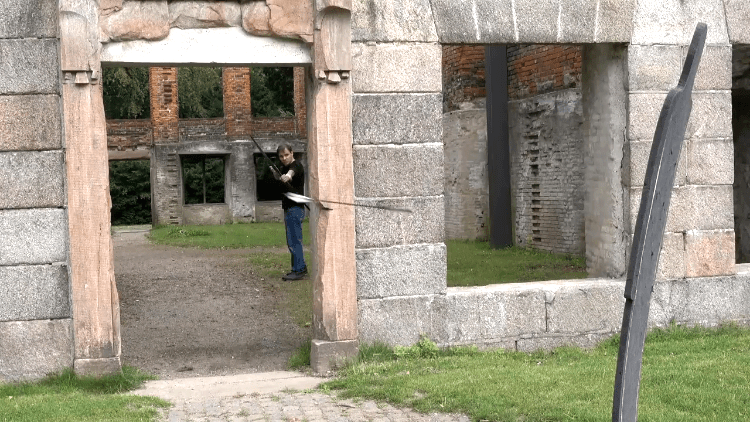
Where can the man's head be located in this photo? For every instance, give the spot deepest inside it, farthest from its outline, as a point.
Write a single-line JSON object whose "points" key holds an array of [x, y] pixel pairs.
{"points": [[286, 154]]}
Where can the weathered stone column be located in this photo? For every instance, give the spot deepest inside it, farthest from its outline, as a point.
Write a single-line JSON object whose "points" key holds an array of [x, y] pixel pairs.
{"points": [[96, 317], [331, 177], [36, 325], [699, 236], [399, 161]]}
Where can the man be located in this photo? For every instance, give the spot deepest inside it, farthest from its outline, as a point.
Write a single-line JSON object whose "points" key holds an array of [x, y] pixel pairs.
{"points": [[292, 179]]}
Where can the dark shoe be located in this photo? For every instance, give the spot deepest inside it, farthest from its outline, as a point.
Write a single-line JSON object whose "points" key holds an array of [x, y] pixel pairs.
{"points": [[295, 275]]}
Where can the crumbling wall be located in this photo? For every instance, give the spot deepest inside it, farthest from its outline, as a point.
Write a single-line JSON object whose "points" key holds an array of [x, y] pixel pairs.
{"points": [[741, 131], [545, 120]]}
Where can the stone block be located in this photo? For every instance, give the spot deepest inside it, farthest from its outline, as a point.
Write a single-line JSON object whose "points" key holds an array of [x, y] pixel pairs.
{"points": [[32, 179], [654, 67], [394, 321], [29, 66], [30, 350], [577, 20], [615, 21], [401, 271], [508, 310], [711, 301], [203, 14], [413, 67], [33, 236], [396, 118], [34, 292], [709, 253], [661, 311], [474, 22], [710, 162], [672, 257], [328, 355], [137, 20], [97, 367], [738, 14], [589, 306], [711, 115], [715, 69], [28, 19], [536, 22], [547, 343], [30, 122], [396, 171], [456, 318], [674, 21], [378, 228], [636, 160], [693, 208], [387, 21]]}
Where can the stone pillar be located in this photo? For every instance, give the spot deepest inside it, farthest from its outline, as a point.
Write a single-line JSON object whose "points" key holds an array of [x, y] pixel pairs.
{"points": [[165, 107], [96, 317], [36, 325], [398, 161], [604, 125], [237, 110], [331, 177], [300, 102], [699, 236]]}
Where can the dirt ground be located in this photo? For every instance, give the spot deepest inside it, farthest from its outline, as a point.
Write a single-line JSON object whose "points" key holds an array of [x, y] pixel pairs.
{"points": [[194, 312]]}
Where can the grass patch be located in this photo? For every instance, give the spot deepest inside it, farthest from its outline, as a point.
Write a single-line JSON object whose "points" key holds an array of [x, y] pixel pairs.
{"points": [[67, 397], [474, 263], [689, 374], [298, 298], [301, 357], [227, 236]]}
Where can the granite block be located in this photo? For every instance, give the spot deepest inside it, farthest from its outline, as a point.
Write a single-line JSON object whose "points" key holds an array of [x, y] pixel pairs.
{"points": [[29, 66], [396, 171], [28, 18], [589, 306], [412, 67], [387, 21], [30, 350], [709, 253], [395, 321], [32, 179], [30, 122], [379, 228], [401, 271], [30, 292], [710, 162], [33, 236], [396, 118]]}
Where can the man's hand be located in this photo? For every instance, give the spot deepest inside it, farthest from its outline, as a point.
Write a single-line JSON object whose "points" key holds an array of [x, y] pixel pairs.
{"points": [[286, 178], [276, 174]]}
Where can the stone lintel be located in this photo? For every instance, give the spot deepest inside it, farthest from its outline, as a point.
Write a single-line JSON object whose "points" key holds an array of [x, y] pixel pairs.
{"points": [[188, 47], [327, 355], [97, 367]]}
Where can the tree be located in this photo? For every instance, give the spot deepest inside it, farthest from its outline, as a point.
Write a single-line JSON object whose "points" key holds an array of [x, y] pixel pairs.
{"points": [[200, 92], [272, 91], [125, 92]]}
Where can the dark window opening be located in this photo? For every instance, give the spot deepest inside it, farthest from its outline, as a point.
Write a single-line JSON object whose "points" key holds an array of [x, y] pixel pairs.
{"points": [[130, 190], [203, 179], [266, 187], [272, 91]]}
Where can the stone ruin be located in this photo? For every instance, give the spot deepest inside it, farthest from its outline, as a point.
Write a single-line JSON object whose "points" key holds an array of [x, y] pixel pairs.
{"points": [[374, 110]]}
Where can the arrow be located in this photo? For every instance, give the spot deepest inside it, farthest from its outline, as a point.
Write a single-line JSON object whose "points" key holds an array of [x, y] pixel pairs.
{"points": [[301, 199]]}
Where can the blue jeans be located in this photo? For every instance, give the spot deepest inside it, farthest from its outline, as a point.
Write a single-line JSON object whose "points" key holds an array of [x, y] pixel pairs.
{"points": [[293, 222]]}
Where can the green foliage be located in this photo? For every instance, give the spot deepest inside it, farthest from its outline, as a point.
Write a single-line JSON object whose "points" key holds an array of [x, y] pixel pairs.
{"points": [[67, 397], [272, 91], [199, 172], [200, 92], [130, 189], [475, 263], [689, 374], [182, 232], [301, 357], [125, 92], [425, 349], [229, 236]]}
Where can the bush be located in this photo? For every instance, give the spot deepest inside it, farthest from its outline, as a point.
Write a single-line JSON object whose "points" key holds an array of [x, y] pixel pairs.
{"points": [[130, 189]]}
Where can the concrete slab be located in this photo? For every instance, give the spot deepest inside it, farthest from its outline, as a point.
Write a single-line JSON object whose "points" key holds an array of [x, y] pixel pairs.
{"points": [[229, 386]]}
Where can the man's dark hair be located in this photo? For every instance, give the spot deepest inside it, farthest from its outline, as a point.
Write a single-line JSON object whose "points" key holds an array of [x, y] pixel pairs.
{"points": [[284, 146]]}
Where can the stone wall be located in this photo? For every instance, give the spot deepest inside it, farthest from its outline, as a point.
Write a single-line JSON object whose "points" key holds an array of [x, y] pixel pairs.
{"points": [[36, 325]]}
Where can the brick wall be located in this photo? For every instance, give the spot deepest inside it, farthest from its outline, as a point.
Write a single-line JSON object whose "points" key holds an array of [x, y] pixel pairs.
{"points": [[164, 103], [129, 134], [237, 109], [463, 75], [536, 69]]}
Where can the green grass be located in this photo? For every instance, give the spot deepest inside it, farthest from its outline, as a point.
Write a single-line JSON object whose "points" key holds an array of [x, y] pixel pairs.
{"points": [[66, 397], [474, 263], [301, 357], [689, 375], [227, 236], [298, 297]]}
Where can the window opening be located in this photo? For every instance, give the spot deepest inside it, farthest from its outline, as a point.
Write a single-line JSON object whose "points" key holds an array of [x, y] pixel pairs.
{"points": [[272, 91], [203, 179], [200, 92]]}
